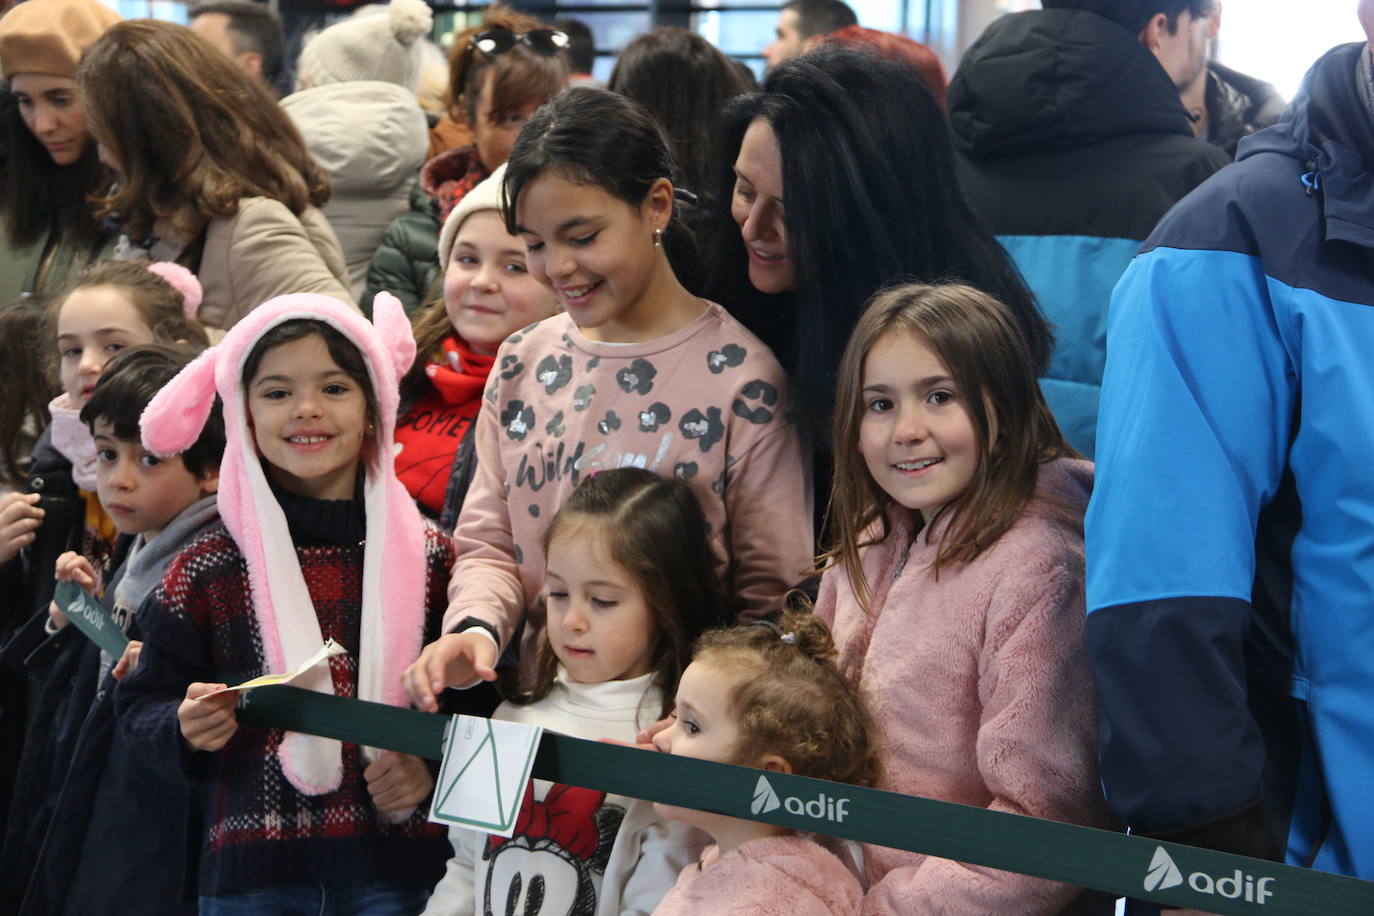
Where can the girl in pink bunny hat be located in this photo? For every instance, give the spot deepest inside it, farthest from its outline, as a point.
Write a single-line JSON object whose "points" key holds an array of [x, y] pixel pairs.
{"points": [[319, 541]]}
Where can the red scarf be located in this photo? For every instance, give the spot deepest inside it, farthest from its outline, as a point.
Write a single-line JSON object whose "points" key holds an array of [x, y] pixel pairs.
{"points": [[431, 431]]}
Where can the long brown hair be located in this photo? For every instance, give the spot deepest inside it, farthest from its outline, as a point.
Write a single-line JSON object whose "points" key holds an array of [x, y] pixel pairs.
{"points": [[191, 133], [653, 527], [520, 77], [985, 351], [790, 699]]}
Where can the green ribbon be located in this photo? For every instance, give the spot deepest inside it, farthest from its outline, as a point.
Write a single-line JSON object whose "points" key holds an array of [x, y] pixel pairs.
{"points": [[1114, 863]]}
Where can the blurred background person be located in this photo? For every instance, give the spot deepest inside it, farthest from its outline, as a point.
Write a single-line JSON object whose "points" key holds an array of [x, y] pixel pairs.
{"points": [[500, 72], [51, 165], [364, 71]]}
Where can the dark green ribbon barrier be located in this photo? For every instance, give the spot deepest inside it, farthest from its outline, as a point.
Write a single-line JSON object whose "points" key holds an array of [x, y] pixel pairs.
{"points": [[1115, 863]]}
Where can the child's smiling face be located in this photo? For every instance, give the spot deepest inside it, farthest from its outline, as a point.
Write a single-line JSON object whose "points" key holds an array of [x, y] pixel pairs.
{"points": [[309, 418], [915, 434]]}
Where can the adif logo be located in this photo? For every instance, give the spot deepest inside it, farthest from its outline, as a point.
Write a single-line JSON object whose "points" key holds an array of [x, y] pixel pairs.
{"points": [[821, 808], [1164, 874], [765, 799]]}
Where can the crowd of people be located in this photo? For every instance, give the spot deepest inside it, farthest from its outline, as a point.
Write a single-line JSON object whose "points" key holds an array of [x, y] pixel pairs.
{"points": [[748, 422]]}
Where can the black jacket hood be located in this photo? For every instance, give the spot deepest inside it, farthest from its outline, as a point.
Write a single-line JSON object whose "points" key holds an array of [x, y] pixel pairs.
{"points": [[1051, 80]]}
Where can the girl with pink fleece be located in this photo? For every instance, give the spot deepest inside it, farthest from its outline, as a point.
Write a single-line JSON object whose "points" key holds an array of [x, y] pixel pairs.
{"points": [[320, 541], [768, 695], [954, 587]]}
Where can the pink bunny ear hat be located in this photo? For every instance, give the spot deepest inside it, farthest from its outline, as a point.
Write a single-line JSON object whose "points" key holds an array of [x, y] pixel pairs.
{"points": [[393, 599]]}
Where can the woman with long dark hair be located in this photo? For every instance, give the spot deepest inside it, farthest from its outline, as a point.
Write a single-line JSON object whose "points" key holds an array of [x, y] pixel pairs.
{"points": [[50, 163], [838, 179]]}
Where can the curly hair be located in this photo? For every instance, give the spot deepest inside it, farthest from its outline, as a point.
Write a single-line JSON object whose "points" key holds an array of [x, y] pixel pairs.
{"points": [[790, 699]]}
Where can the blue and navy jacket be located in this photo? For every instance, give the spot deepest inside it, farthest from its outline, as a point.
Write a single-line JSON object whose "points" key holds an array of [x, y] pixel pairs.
{"points": [[1072, 144], [1230, 538]]}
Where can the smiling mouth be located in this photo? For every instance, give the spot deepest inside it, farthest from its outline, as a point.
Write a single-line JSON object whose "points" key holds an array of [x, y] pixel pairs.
{"points": [[576, 294], [308, 440], [918, 465], [765, 257]]}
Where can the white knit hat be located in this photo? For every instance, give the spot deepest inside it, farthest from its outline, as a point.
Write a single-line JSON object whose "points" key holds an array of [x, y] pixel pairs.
{"points": [[486, 196], [378, 46]]}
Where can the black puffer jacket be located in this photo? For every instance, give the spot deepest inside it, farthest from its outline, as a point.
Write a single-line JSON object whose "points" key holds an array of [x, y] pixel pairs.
{"points": [[1073, 143], [25, 590], [1237, 106], [406, 263]]}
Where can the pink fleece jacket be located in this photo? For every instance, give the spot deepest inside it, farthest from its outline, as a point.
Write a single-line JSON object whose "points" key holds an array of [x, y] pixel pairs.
{"points": [[773, 876], [980, 686]]}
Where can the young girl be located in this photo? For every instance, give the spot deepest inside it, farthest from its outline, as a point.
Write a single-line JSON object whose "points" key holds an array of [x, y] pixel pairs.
{"points": [[768, 695], [487, 295], [319, 541], [631, 582], [956, 576], [638, 372]]}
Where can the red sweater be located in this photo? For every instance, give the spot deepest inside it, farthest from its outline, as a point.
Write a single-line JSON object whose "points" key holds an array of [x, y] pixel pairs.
{"points": [[429, 434]]}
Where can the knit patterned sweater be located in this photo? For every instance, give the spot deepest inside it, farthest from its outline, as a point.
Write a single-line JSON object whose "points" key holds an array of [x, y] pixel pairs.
{"points": [[260, 831]]}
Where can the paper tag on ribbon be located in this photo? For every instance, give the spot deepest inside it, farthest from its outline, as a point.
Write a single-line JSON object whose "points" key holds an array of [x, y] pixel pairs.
{"points": [[88, 616], [327, 651], [486, 767]]}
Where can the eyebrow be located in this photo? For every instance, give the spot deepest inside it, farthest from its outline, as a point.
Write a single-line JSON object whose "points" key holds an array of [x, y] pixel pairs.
{"points": [[288, 379], [99, 332], [926, 382], [743, 177]]}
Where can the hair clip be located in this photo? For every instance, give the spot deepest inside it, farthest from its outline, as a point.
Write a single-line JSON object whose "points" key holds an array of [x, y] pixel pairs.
{"points": [[789, 638], [777, 630]]}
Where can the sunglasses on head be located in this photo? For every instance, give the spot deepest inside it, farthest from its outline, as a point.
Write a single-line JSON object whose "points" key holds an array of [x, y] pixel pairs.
{"points": [[498, 40]]}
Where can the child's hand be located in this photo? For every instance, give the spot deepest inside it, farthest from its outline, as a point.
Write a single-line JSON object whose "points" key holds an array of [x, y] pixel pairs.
{"points": [[128, 661], [59, 619], [208, 724], [19, 521], [449, 661], [73, 567], [397, 781]]}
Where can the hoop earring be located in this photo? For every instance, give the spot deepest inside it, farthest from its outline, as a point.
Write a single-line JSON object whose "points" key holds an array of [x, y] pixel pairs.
{"points": [[658, 238]]}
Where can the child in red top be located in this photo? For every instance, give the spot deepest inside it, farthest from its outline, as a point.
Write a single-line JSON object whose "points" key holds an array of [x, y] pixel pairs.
{"points": [[488, 294]]}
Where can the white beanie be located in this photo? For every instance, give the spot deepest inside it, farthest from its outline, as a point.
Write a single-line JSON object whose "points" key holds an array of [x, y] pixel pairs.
{"points": [[486, 196], [378, 46]]}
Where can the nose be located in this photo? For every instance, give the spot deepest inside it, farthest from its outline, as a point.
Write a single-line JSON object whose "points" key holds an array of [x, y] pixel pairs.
{"points": [[307, 405], [44, 120], [559, 263], [122, 476], [575, 621], [911, 425], [663, 742], [488, 277], [758, 224], [92, 361]]}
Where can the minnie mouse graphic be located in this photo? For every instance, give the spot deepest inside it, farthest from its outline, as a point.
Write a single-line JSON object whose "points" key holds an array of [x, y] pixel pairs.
{"points": [[555, 857]]}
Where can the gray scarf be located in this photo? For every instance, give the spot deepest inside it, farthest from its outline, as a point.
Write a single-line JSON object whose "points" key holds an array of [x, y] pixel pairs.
{"points": [[148, 559]]}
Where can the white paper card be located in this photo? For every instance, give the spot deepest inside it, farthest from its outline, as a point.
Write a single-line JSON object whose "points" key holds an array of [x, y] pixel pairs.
{"points": [[483, 776], [327, 651]]}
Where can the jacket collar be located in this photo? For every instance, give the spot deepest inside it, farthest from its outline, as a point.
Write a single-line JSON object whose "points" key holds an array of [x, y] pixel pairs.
{"points": [[1329, 130]]}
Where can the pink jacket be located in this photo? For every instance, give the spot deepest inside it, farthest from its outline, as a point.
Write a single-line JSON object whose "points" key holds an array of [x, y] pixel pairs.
{"points": [[980, 686], [774, 876]]}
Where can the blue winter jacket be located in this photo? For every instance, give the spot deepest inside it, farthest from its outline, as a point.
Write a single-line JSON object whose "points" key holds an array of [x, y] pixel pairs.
{"points": [[1230, 538]]}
